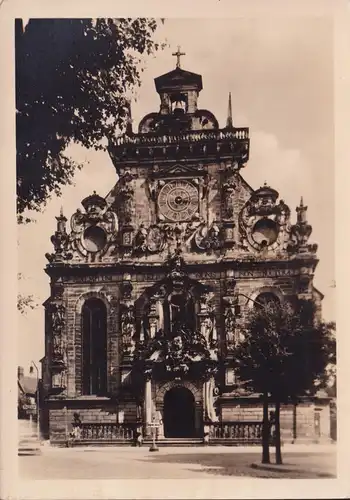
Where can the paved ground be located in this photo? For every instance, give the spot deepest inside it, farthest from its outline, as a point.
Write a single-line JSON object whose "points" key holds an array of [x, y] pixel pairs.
{"points": [[174, 463]]}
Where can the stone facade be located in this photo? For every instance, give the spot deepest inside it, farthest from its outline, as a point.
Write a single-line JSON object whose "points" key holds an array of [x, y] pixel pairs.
{"points": [[181, 243]]}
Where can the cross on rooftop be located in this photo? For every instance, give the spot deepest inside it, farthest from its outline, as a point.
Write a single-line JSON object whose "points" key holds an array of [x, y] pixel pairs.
{"points": [[178, 54]]}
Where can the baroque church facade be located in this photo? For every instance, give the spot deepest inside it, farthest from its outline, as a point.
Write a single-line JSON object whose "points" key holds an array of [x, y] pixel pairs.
{"points": [[150, 286]]}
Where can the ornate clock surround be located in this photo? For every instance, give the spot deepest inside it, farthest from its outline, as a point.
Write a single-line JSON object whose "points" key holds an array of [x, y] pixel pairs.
{"points": [[178, 192], [178, 200]]}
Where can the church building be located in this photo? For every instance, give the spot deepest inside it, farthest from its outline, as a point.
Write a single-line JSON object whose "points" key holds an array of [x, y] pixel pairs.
{"points": [[151, 284]]}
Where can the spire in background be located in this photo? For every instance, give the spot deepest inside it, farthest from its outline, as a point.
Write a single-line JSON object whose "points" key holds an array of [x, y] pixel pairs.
{"points": [[229, 121]]}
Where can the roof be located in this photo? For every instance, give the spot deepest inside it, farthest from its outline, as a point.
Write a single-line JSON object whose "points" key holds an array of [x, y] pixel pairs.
{"points": [[27, 385], [93, 199], [178, 78], [266, 191], [317, 292]]}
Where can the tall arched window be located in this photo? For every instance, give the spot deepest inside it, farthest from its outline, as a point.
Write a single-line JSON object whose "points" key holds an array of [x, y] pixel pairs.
{"points": [[94, 326]]}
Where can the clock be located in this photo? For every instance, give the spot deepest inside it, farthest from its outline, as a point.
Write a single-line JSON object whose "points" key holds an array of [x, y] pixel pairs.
{"points": [[178, 200]]}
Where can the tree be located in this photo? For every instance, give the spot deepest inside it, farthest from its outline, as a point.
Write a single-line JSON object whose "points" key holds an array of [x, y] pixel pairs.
{"points": [[24, 302], [283, 356], [72, 79]]}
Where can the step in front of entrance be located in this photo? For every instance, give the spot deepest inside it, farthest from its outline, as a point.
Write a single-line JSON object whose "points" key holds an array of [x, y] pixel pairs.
{"points": [[164, 442], [176, 442]]}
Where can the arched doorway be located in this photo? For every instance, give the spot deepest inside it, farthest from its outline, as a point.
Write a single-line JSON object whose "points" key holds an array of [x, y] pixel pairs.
{"points": [[179, 413]]}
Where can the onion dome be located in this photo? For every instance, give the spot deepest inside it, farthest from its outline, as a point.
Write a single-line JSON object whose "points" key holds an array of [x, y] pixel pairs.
{"points": [[266, 192], [93, 200]]}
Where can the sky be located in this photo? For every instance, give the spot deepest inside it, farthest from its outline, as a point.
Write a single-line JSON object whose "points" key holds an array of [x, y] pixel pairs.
{"points": [[281, 81]]}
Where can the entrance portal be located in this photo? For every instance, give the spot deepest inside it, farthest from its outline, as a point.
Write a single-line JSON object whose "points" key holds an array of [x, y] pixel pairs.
{"points": [[179, 413]]}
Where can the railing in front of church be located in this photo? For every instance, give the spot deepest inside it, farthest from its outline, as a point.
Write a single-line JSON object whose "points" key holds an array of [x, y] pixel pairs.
{"points": [[190, 136], [106, 432], [235, 432]]}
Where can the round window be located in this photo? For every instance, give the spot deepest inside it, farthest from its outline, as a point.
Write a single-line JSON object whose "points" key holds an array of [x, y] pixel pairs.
{"points": [[265, 232], [94, 239]]}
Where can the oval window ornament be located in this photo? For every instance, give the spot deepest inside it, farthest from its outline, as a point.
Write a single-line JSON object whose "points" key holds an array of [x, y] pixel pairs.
{"points": [[94, 239], [265, 232]]}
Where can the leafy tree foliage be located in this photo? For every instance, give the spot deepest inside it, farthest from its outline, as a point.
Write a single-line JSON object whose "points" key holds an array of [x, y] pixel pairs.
{"points": [[24, 302], [72, 78], [284, 354]]}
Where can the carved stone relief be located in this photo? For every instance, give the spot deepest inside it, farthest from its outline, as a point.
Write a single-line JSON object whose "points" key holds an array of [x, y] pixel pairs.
{"points": [[264, 224], [58, 363], [230, 302], [229, 186], [124, 202], [128, 328], [57, 325], [93, 232], [215, 238]]}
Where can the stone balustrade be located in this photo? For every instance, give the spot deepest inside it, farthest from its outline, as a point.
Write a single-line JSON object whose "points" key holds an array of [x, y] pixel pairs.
{"points": [[219, 432], [107, 432], [186, 137], [240, 432]]}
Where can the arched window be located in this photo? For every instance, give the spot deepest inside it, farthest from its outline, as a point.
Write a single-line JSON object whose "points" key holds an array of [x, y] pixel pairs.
{"points": [[265, 299], [94, 326]]}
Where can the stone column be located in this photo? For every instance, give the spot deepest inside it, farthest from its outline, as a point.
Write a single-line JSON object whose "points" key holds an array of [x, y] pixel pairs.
{"points": [[159, 416], [199, 418], [205, 401]]}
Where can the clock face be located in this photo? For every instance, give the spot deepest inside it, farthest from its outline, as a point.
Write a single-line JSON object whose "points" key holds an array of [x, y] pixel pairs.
{"points": [[178, 200]]}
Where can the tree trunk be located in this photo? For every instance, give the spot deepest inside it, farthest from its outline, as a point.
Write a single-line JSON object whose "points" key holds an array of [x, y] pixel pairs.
{"points": [[294, 422], [278, 434], [265, 431]]}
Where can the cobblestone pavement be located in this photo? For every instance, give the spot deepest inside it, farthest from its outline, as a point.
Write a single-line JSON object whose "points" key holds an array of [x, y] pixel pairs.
{"points": [[173, 463]]}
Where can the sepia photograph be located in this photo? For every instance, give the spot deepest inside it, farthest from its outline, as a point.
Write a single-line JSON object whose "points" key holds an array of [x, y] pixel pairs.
{"points": [[176, 256]]}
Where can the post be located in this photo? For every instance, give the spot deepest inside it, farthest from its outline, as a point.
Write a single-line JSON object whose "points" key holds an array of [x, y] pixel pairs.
{"points": [[294, 422], [265, 430], [66, 425], [148, 405], [154, 426], [37, 398], [278, 433]]}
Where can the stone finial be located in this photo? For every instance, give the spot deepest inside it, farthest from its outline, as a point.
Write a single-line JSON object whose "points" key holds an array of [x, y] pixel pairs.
{"points": [[301, 212], [229, 121], [61, 222], [302, 230]]}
